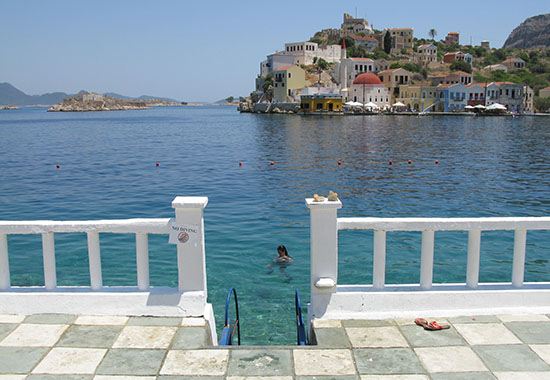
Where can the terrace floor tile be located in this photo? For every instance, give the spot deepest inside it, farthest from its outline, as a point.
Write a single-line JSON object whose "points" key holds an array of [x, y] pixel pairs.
{"points": [[450, 359], [20, 359], [196, 362], [260, 362], [145, 337], [131, 362], [190, 338], [376, 337], [323, 362], [531, 332], [89, 336], [34, 335], [418, 337], [387, 361], [50, 319], [522, 375], [61, 360], [503, 358], [486, 333], [155, 321]]}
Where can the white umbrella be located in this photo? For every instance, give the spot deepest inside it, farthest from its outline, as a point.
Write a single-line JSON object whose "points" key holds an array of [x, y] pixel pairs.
{"points": [[398, 104], [468, 107], [496, 106], [350, 103], [371, 105], [480, 106], [357, 104]]}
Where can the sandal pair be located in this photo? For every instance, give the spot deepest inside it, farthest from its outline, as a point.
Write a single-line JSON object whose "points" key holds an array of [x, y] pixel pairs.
{"points": [[433, 325]]}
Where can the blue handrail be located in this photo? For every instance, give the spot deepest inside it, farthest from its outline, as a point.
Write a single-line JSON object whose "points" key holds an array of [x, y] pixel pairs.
{"points": [[228, 333], [300, 326]]}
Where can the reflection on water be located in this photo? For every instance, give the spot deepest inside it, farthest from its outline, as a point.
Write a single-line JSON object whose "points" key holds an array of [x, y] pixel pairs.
{"points": [[487, 167]]}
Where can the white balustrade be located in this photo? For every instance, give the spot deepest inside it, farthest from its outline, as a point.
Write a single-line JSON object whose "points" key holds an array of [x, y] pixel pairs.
{"points": [[191, 260], [324, 262]]}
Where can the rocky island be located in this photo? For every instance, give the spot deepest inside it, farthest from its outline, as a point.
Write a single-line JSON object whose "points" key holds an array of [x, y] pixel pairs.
{"points": [[89, 101]]}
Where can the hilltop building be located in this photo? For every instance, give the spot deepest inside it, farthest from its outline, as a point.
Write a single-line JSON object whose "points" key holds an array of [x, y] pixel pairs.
{"points": [[485, 44], [402, 38], [427, 53], [369, 43], [458, 56], [514, 64], [353, 25], [452, 38], [305, 52]]}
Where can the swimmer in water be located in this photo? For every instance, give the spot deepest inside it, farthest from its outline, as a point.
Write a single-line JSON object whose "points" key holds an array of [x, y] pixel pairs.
{"points": [[282, 261]]}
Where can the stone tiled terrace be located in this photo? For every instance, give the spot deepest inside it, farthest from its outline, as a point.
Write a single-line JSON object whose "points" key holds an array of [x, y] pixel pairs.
{"points": [[44, 347]]}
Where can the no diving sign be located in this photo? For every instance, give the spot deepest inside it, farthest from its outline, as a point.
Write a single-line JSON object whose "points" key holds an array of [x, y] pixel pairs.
{"points": [[184, 234]]}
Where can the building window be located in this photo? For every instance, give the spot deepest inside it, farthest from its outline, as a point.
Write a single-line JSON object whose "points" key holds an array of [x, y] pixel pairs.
{"points": [[290, 75]]}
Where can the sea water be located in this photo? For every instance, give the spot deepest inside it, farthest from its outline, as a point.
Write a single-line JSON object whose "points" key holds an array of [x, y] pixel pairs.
{"points": [[487, 167]]}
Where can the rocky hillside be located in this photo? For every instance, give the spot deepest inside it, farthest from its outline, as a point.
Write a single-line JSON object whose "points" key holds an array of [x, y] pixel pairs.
{"points": [[532, 33], [86, 101]]}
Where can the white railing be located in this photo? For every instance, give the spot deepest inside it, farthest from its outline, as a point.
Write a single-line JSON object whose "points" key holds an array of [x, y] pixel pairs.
{"points": [[325, 225], [190, 257]]}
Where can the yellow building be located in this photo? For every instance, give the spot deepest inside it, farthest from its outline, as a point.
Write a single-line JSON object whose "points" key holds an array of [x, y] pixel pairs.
{"points": [[402, 38], [416, 97], [321, 103], [286, 81]]}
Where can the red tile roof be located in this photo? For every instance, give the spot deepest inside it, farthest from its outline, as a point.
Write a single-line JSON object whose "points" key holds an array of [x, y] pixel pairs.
{"points": [[284, 68], [362, 59], [355, 37]]}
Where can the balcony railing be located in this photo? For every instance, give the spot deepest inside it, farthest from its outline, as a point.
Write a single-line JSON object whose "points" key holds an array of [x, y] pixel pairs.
{"points": [[328, 297]]}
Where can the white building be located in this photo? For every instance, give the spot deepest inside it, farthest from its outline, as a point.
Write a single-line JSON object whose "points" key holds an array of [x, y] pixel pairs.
{"points": [[427, 53], [350, 68], [305, 52], [368, 88]]}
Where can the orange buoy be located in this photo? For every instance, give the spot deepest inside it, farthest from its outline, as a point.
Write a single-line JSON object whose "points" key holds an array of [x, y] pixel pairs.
{"points": [[339, 162], [57, 166], [391, 162], [240, 163], [410, 162], [272, 163], [158, 164], [436, 162]]}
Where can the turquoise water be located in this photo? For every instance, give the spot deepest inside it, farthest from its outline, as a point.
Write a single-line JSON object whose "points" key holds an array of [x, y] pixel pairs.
{"points": [[487, 167]]}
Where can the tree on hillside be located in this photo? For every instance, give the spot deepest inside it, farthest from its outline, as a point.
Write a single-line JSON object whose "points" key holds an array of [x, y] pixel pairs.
{"points": [[433, 33], [229, 99], [387, 42], [461, 66]]}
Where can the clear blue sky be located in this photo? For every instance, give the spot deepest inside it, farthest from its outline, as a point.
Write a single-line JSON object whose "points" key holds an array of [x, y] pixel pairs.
{"points": [[203, 50]]}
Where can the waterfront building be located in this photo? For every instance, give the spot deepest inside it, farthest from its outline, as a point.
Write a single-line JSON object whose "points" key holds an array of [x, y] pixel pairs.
{"points": [[511, 95], [321, 103], [496, 67], [514, 63], [544, 93], [417, 97], [287, 81], [476, 94], [452, 38], [402, 38], [528, 99], [492, 94], [452, 78], [451, 97], [367, 88], [393, 78], [352, 25], [427, 53], [369, 43]]}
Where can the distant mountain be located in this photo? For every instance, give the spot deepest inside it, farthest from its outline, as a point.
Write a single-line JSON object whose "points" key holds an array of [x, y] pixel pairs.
{"points": [[142, 97], [532, 33], [15, 97]]}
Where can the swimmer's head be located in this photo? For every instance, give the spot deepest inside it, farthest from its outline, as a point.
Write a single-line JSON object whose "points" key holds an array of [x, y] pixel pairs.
{"points": [[282, 251]]}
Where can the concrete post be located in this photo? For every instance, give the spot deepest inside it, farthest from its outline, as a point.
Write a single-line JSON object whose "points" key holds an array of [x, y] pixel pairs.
{"points": [[324, 252], [191, 258]]}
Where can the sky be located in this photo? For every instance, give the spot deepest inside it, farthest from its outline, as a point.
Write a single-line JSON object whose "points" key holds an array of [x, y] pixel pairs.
{"points": [[204, 50]]}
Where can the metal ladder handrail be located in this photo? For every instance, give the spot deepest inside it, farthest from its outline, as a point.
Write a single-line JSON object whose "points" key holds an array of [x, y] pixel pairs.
{"points": [[227, 335]]}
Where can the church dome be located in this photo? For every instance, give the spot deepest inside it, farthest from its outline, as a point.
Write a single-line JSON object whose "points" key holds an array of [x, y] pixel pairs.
{"points": [[367, 78]]}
